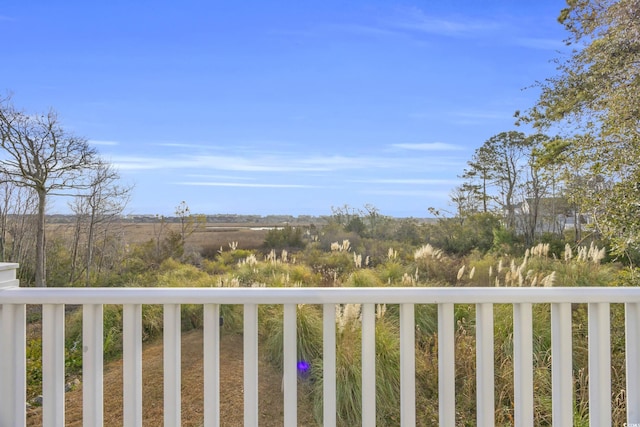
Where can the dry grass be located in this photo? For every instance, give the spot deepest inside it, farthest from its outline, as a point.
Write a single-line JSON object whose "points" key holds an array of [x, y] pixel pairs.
{"points": [[210, 235], [231, 401]]}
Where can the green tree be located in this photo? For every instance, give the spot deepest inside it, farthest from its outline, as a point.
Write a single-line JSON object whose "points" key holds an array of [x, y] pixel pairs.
{"points": [[501, 160], [596, 95]]}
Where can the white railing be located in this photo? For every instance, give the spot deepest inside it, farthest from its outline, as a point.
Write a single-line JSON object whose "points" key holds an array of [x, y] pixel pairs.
{"points": [[12, 335]]}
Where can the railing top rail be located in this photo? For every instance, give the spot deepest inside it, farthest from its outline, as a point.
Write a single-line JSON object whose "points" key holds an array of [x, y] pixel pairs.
{"points": [[417, 295]]}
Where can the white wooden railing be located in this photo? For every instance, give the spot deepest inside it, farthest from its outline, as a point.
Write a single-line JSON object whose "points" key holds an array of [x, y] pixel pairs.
{"points": [[12, 344]]}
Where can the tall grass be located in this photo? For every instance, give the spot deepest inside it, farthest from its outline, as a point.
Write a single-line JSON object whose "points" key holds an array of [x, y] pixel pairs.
{"points": [[428, 266]]}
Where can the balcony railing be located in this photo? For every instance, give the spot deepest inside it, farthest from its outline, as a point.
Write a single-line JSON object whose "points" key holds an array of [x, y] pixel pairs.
{"points": [[13, 300]]}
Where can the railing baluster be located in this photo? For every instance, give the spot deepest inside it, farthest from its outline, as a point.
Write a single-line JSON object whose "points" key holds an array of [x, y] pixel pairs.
{"points": [[290, 366], [599, 365], [484, 365], [132, 364], [523, 364], [632, 353], [329, 365], [52, 365], [12, 365], [211, 341], [561, 365], [250, 365], [172, 365], [446, 366], [368, 365], [407, 365], [92, 364]]}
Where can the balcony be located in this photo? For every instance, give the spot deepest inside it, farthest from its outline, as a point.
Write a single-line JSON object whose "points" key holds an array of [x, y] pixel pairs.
{"points": [[13, 301]]}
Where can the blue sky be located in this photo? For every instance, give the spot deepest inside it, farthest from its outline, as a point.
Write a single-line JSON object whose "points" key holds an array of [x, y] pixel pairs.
{"points": [[281, 107]]}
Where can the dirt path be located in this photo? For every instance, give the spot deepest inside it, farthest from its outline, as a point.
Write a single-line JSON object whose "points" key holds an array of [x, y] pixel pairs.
{"points": [[231, 401]]}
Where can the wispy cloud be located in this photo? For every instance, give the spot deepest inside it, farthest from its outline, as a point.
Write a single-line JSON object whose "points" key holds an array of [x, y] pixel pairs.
{"points": [[426, 194], [428, 146], [417, 181], [104, 143], [414, 19], [244, 184], [183, 145]]}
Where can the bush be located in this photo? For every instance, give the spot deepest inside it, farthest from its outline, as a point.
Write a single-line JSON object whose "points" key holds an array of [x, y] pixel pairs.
{"points": [[287, 237]]}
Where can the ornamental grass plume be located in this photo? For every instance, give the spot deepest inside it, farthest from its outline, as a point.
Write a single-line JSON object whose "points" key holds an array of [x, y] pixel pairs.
{"points": [[250, 260], [461, 272], [357, 260], [548, 281], [568, 253], [347, 315], [427, 251], [596, 255]]}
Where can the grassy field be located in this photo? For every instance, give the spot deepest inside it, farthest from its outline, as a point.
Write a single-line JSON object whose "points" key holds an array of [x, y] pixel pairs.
{"points": [[210, 235]]}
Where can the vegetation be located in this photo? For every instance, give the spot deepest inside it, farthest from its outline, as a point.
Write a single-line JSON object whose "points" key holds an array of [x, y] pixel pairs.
{"points": [[342, 263], [594, 100]]}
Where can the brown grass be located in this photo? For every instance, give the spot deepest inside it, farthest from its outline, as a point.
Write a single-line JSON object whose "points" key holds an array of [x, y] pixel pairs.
{"points": [[231, 385], [205, 236]]}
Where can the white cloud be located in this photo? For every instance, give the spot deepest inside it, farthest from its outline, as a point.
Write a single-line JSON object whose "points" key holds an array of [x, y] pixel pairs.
{"points": [[417, 181], [244, 184], [99, 142], [426, 194], [428, 146], [414, 19]]}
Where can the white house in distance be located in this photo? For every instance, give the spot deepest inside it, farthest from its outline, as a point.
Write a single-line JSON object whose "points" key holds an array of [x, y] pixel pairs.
{"points": [[553, 215]]}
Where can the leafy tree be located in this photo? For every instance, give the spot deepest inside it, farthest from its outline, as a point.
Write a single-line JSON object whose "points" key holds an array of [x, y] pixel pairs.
{"points": [[39, 154], [596, 95], [501, 159]]}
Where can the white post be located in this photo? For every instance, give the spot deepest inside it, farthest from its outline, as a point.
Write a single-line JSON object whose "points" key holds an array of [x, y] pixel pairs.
{"points": [[329, 365], [52, 365], [368, 365], [211, 341], [561, 365], [290, 368], [132, 364], [172, 365], [13, 365], [632, 346], [523, 364], [13, 383], [484, 365], [92, 365], [599, 365], [446, 366], [251, 365], [407, 365]]}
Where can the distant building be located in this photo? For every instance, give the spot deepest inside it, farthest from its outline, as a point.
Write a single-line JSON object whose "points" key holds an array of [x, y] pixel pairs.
{"points": [[553, 215]]}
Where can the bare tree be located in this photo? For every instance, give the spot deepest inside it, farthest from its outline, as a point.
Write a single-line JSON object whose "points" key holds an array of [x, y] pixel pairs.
{"points": [[103, 202], [39, 154]]}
